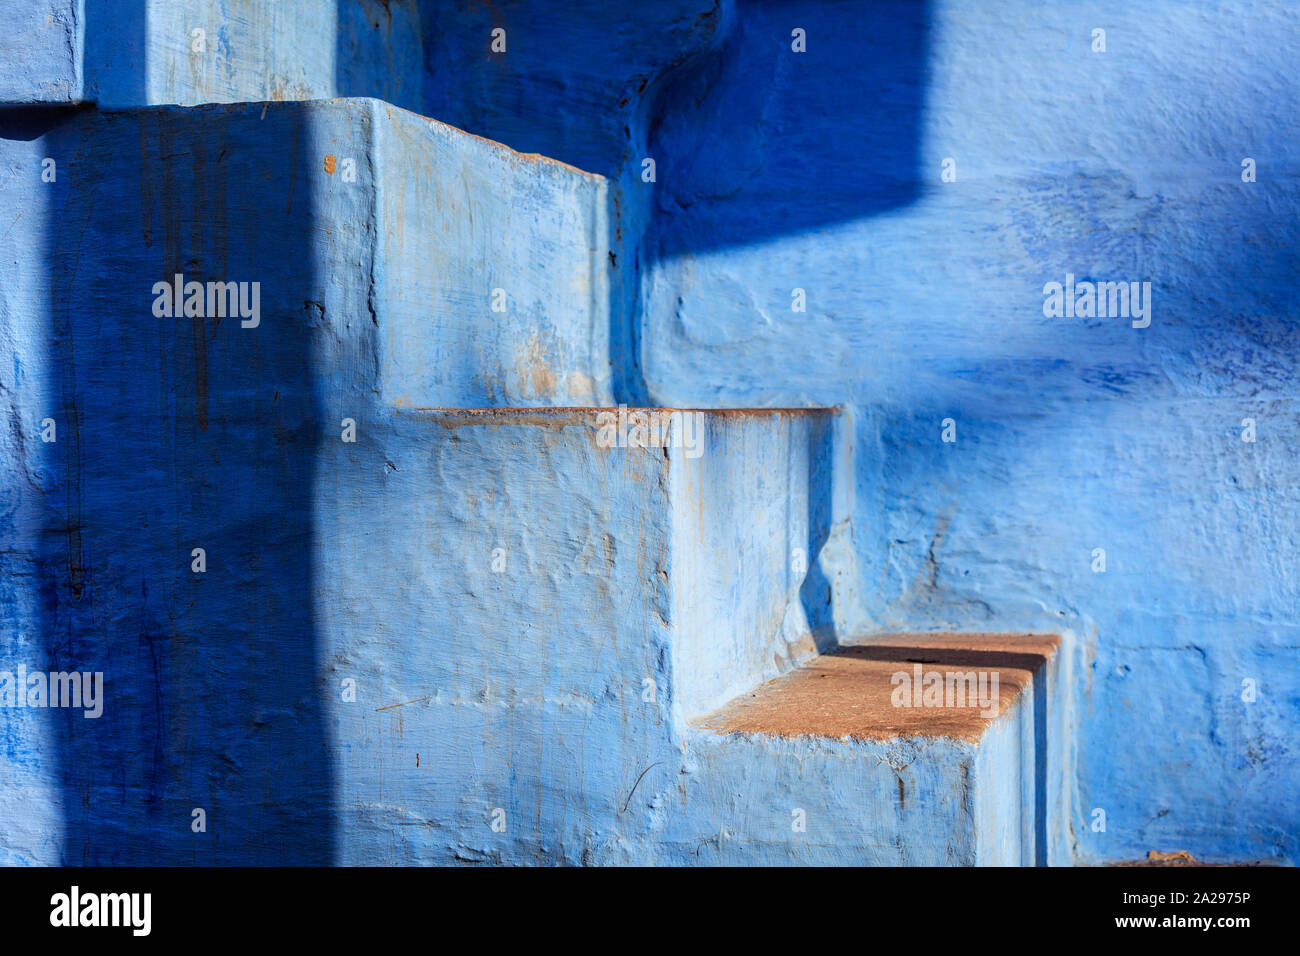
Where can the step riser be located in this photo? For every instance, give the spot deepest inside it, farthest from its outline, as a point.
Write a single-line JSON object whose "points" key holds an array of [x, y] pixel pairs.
{"points": [[916, 749], [898, 802], [769, 578], [387, 283], [544, 689], [421, 636], [521, 671], [856, 808], [41, 52], [551, 690], [465, 228]]}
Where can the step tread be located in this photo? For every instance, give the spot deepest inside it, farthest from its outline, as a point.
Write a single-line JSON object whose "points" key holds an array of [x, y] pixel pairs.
{"points": [[847, 693]]}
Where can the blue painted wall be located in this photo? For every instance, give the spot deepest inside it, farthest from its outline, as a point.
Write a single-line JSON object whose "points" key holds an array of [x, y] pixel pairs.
{"points": [[925, 301], [168, 430], [823, 171], [775, 170], [124, 53], [40, 53]]}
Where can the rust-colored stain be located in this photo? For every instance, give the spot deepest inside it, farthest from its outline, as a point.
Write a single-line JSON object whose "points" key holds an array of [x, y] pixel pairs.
{"points": [[1175, 857], [560, 417], [578, 410], [403, 703], [513, 155], [1182, 858], [848, 693], [533, 370], [330, 164]]}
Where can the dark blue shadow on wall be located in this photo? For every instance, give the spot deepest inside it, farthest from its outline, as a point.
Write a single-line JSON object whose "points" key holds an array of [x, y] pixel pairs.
{"points": [[755, 140], [751, 139], [185, 432], [573, 76], [174, 434], [115, 48]]}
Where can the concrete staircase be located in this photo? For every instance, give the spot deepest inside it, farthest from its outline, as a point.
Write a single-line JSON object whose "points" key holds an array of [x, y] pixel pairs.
{"points": [[454, 603]]}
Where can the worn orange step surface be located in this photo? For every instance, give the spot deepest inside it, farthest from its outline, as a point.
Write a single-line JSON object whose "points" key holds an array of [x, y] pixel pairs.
{"points": [[853, 691]]}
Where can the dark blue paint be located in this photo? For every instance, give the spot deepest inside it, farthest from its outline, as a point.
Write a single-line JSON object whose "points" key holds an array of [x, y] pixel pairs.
{"points": [[775, 170]]}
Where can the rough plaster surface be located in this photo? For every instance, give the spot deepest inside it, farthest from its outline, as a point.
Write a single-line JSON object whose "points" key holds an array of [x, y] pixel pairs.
{"points": [[40, 52], [822, 171], [925, 302], [124, 53], [173, 434], [776, 170]]}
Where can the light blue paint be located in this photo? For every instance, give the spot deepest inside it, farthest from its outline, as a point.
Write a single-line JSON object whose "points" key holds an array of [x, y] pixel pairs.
{"points": [[769, 577], [492, 271], [40, 52], [850, 792], [925, 302], [776, 170], [548, 687], [215, 679], [123, 53]]}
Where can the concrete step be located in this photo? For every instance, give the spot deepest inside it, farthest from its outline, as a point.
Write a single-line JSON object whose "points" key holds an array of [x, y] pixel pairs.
{"points": [[912, 749], [597, 592], [395, 259], [427, 634], [462, 619]]}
